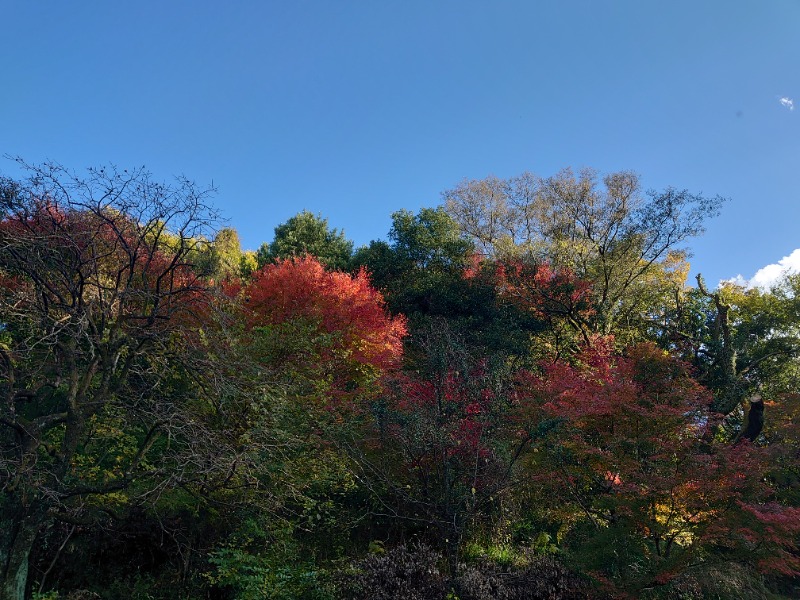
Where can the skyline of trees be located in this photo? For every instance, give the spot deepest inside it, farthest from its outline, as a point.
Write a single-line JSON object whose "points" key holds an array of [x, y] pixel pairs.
{"points": [[520, 376]]}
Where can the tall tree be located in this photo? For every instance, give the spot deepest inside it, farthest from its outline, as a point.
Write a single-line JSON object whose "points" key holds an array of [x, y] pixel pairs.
{"points": [[613, 235], [226, 255], [307, 233], [417, 270], [98, 304]]}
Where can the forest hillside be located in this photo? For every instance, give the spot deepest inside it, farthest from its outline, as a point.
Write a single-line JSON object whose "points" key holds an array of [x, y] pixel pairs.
{"points": [[514, 394]]}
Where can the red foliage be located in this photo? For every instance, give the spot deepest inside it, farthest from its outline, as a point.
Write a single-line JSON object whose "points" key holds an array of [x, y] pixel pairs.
{"points": [[456, 410], [344, 310], [546, 291], [636, 445], [450, 444], [772, 533], [474, 267]]}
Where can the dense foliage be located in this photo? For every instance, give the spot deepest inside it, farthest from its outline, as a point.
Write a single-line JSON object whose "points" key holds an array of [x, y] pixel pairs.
{"points": [[517, 395]]}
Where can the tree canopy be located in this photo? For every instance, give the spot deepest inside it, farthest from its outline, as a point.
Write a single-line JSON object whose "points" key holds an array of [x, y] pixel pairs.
{"points": [[307, 233], [626, 242]]}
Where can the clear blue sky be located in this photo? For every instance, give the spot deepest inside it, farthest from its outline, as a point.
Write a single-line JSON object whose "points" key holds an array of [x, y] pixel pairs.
{"points": [[357, 109]]}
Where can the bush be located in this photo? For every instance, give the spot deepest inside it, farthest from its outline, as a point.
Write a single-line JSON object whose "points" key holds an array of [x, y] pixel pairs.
{"points": [[265, 576], [402, 574], [541, 577], [399, 573], [715, 582]]}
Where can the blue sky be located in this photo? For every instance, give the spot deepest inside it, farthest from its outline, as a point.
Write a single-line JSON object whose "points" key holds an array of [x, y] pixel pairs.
{"points": [[357, 109]]}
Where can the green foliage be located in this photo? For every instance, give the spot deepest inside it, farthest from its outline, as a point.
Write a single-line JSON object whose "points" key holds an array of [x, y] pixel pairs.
{"points": [[612, 553], [226, 254], [742, 341], [248, 263], [306, 233], [275, 574], [502, 554], [293, 517], [429, 240], [424, 262]]}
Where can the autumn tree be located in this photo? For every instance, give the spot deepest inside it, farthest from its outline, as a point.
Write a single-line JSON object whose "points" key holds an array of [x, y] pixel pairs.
{"points": [[625, 242], [633, 467], [554, 297], [441, 451], [321, 342], [330, 325], [316, 344], [99, 306]]}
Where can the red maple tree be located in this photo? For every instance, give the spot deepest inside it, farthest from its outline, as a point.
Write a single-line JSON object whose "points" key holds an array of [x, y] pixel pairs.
{"points": [[332, 325], [634, 452]]}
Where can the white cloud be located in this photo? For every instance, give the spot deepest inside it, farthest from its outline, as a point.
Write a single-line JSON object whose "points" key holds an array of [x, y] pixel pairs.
{"points": [[738, 280], [767, 276], [787, 102]]}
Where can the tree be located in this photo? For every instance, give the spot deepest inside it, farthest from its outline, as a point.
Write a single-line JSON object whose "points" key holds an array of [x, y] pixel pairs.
{"points": [[632, 452], [306, 233], [441, 450], [318, 344], [744, 341], [248, 263], [421, 270], [330, 326], [492, 211], [99, 308], [226, 255], [614, 237]]}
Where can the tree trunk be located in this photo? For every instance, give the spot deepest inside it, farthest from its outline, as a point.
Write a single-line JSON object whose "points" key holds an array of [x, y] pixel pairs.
{"points": [[15, 568], [452, 556], [452, 544]]}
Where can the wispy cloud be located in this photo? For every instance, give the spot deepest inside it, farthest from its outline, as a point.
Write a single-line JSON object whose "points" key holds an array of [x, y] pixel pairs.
{"points": [[787, 102], [768, 276]]}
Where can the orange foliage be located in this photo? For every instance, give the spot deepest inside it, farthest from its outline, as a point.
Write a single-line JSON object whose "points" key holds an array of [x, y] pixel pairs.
{"points": [[345, 309]]}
